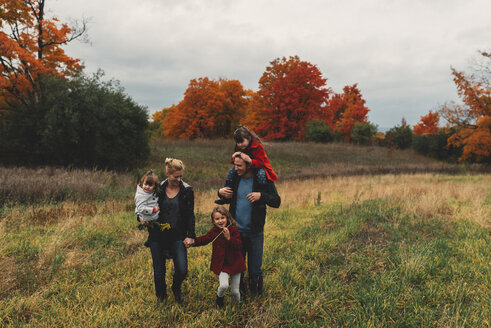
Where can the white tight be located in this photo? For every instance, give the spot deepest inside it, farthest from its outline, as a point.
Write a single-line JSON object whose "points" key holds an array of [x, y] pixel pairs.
{"points": [[235, 282]]}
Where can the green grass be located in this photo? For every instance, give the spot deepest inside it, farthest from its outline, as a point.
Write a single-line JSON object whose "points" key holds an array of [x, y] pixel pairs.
{"points": [[341, 264], [346, 252]]}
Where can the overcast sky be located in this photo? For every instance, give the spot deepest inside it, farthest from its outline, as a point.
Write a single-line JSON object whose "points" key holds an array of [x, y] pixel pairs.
{"points": [[398, 51]]}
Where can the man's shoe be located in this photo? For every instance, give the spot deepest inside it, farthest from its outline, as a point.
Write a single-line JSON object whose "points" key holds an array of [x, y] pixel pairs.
{"points": [[253, 286], [260, 287]]}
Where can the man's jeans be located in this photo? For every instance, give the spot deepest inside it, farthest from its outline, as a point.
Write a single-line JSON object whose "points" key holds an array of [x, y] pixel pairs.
{"points": [[180, 258], [252, 247]]}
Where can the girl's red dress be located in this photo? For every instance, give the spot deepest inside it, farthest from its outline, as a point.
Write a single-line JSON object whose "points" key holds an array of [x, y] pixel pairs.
{"points": [[226, 254], [260, 159]]}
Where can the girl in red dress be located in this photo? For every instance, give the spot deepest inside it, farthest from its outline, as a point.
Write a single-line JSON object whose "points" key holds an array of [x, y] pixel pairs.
{"points": [[250, 148], [226, 257]]}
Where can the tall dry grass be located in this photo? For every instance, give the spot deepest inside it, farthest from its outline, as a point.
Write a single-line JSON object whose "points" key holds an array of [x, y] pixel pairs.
{"points": [[45, 184], [427, 195]]}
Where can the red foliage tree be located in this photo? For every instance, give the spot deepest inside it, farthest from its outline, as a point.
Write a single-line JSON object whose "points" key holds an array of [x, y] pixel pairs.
{"points": [[345, 109], [291, 93], [209, 109], [30, 47], [472, 122], [428, 124]]}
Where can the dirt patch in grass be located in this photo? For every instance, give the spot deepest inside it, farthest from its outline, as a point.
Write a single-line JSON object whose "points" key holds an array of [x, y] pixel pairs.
{"points": [[372, 235]]}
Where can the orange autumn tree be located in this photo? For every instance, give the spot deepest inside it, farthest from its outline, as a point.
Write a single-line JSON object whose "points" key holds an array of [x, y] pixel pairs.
{"points": [[209, 109], [346, 109], [31, 47], [428, 124], [471, 121], [158, 118], [291, 93]]}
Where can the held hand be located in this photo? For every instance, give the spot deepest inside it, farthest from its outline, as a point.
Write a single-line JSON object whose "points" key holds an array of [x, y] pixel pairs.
{"points": [[188, 242], [226, 233], [145, 223], [226, 192], [254, 197]]}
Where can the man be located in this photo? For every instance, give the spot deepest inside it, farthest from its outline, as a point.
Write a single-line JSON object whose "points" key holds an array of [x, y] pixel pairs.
{"points": [[248, 195]]}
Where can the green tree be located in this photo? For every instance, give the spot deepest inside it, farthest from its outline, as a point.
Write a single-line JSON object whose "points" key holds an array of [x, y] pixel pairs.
{"points": [[400, 136], [318, 131], [363, 133], [82, 122]]}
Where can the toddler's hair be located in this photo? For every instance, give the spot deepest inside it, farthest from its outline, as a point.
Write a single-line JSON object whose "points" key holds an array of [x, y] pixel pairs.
{"points": [[150, 179], [243, 132], [224, 212], [172, 165]]}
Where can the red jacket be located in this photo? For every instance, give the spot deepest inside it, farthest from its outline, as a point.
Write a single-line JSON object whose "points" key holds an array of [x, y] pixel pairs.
{"points": [[226, 255], [259, 159]]}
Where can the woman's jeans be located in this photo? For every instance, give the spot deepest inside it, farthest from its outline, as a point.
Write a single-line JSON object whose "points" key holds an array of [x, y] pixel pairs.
{"points": [[180, 258]]}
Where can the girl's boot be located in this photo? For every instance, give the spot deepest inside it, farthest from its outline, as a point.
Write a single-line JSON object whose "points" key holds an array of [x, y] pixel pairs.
{"points": [[220, 301]]}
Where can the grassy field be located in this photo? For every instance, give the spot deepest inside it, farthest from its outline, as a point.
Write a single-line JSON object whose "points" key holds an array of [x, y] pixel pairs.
{"points": [[405, 250]]}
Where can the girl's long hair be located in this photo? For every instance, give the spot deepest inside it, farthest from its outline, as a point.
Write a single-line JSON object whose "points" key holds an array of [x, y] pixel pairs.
{"points": [[242, 133], [224, 212]]}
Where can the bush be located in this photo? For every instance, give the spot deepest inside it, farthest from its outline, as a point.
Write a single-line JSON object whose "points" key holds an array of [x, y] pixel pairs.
{"points": [[435, 145], [363, 133], [83, 122], [318, 131], [399, 137]]}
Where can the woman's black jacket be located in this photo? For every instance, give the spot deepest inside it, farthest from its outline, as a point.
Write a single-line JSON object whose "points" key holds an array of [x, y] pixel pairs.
{"points": [[186, 221]]}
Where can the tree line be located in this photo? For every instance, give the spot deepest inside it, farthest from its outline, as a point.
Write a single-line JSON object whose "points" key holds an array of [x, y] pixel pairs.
{"points": [[294, 103], [51, 112]]}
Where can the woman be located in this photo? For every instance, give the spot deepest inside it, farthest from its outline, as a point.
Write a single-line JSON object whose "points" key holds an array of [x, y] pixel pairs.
{"points": [[176, 202]]}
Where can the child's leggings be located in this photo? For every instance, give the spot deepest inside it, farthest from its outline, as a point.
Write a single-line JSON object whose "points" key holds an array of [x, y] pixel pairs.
{"points": [[234, 283]]}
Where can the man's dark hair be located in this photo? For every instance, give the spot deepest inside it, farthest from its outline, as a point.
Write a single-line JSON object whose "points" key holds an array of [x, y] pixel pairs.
{"points": [[248, 165]]}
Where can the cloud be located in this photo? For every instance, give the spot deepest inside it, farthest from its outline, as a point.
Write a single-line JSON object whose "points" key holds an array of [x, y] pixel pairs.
{"points": [[399, 52]]}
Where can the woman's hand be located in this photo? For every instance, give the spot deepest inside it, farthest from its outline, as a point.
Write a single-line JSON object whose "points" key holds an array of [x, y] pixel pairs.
{"points": [[226, 233], [145, 223], [254, 196], [226, 192], [188, 242]]}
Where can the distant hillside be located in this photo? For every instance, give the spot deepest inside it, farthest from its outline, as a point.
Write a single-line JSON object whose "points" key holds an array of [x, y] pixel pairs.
{"points": [[207, 161]]}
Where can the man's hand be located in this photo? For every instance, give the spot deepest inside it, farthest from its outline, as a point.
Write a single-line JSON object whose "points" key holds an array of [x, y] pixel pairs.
{"points": [[226, 192], [254, 197], [145, 223]]}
